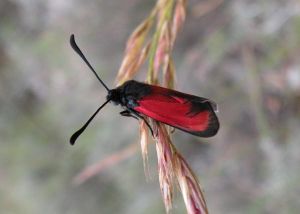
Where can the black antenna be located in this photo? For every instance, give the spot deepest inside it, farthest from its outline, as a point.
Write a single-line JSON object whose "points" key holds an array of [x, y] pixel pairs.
{"points": [[79, 132], [79, 52]]}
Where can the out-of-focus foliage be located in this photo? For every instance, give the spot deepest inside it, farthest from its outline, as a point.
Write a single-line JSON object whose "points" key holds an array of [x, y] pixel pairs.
{"points": [[242, 54]]}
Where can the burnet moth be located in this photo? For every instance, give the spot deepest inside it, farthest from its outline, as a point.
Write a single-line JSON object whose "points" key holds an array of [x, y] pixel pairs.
{"points": [[189, 113]]}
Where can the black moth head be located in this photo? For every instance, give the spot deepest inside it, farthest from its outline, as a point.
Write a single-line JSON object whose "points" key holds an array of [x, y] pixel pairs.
{"points": [[114, 95]]}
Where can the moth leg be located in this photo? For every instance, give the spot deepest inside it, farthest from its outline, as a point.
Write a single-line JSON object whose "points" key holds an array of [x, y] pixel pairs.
{"points": [[127, 113], [141, 117], [172, 130]]}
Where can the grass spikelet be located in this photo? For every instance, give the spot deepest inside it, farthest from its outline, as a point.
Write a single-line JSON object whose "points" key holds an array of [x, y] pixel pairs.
{"points": [[192, 194], [144, 145], [165, 165]]}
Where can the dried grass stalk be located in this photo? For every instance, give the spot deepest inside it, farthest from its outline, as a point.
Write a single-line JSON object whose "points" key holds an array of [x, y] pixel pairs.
{"points": [[168, 17]]}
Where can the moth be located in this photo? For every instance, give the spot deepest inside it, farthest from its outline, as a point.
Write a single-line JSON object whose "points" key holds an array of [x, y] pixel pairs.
{"points": [[189, 113]]}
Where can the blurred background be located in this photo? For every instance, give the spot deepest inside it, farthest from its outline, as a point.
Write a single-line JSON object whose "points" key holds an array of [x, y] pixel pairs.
{"points": [[243, 54]]}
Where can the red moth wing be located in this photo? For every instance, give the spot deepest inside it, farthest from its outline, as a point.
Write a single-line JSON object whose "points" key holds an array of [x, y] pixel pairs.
{"points": [[189, 113]]}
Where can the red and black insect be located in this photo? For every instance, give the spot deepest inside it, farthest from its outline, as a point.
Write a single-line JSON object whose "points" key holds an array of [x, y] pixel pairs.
{"points": [[192, 114]]}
